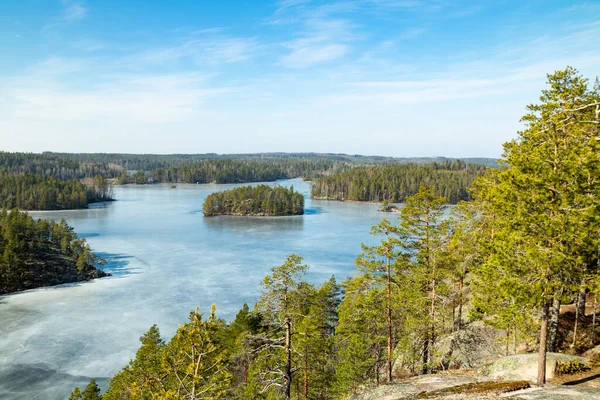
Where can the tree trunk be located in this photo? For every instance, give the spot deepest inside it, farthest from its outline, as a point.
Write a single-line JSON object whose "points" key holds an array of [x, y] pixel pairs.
{"points": [[288, 358], [389, 322], [429, 336], [553, 324], [432, 312], [541, 376], [577, 308], [594, 322], [426, 356], [305, 377], [460, 303], [581, 300], [378, 352], [453, 316]]}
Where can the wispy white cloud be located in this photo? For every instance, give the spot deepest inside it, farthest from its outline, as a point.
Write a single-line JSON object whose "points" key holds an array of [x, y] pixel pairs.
{"points": [[285, 4], [45, 92], [211, 50], [319, 40], [508, 71], [145, 104], [72, 11], [430, 91], [309, 52], [411, 33], [219, 29], [90, 46], [55, 66], [328, 31], [399, 3], [431, 8]]}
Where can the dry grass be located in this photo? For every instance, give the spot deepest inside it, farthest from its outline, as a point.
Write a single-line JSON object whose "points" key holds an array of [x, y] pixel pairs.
{"points": [[478, 388]]}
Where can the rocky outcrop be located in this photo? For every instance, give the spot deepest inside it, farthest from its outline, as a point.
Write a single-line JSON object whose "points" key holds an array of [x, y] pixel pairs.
{"points": [[452, 387], [524, 366], [409, 388], [473, 346], [593, 353]]}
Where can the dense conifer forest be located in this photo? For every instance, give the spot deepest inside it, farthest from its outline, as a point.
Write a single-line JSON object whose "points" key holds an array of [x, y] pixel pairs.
{"points": [[196, 168], [38, 192], [241, 171], [261, 200], [266, 169], [524, 244], [61, 167], [394, 183], [149, 162], [41, 253]]}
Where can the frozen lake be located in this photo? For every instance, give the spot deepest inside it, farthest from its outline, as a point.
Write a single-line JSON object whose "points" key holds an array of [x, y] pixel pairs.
{"points": [[167, 259]]}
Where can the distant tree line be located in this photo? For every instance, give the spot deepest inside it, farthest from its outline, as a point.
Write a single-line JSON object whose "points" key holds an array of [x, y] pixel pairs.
{"points": [[38, 192], [58, 166], [242, 171], [41, 253], [196, 167], [148, 162], [260, 200], [394, 183]]}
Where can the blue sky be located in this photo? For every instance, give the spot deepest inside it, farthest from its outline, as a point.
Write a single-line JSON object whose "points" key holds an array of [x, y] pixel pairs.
{"points": [[387, 77]]}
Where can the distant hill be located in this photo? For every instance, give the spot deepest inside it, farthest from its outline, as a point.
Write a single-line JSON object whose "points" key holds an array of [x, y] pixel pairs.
{"points": [[146, 162]]}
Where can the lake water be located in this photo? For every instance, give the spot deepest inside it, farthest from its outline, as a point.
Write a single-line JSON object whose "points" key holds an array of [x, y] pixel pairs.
{"points": [[167, 259]]}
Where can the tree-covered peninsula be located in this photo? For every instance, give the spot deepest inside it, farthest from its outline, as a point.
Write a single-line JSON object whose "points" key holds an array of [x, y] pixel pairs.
{"points": [[394, 183], [42, 253], [41, 192], [261, 200]]}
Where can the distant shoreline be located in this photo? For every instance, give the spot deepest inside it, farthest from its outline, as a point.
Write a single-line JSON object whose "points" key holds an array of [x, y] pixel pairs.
{"points": [[73, 209]]}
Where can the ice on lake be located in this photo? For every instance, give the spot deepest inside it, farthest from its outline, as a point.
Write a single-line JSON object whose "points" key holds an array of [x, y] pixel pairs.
{"points": [[167, 259]]}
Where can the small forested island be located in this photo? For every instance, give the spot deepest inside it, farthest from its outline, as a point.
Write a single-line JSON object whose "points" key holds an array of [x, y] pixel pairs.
{"points": [[394, 183], [42, 253], [261, 200]]}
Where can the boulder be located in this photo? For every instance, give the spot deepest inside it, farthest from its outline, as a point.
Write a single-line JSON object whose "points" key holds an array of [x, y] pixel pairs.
{"points": [[593, 353], [525, 366], [473, 346]]}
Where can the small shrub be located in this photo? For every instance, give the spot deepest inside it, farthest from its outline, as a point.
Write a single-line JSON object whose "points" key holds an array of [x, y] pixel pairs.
{"points": [[571, 367]]}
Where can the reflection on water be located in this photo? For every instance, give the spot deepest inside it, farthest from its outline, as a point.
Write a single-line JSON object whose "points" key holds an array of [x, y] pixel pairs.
{"points": [[313, 210], [166, 259], [118, 265], [259, 225]]}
